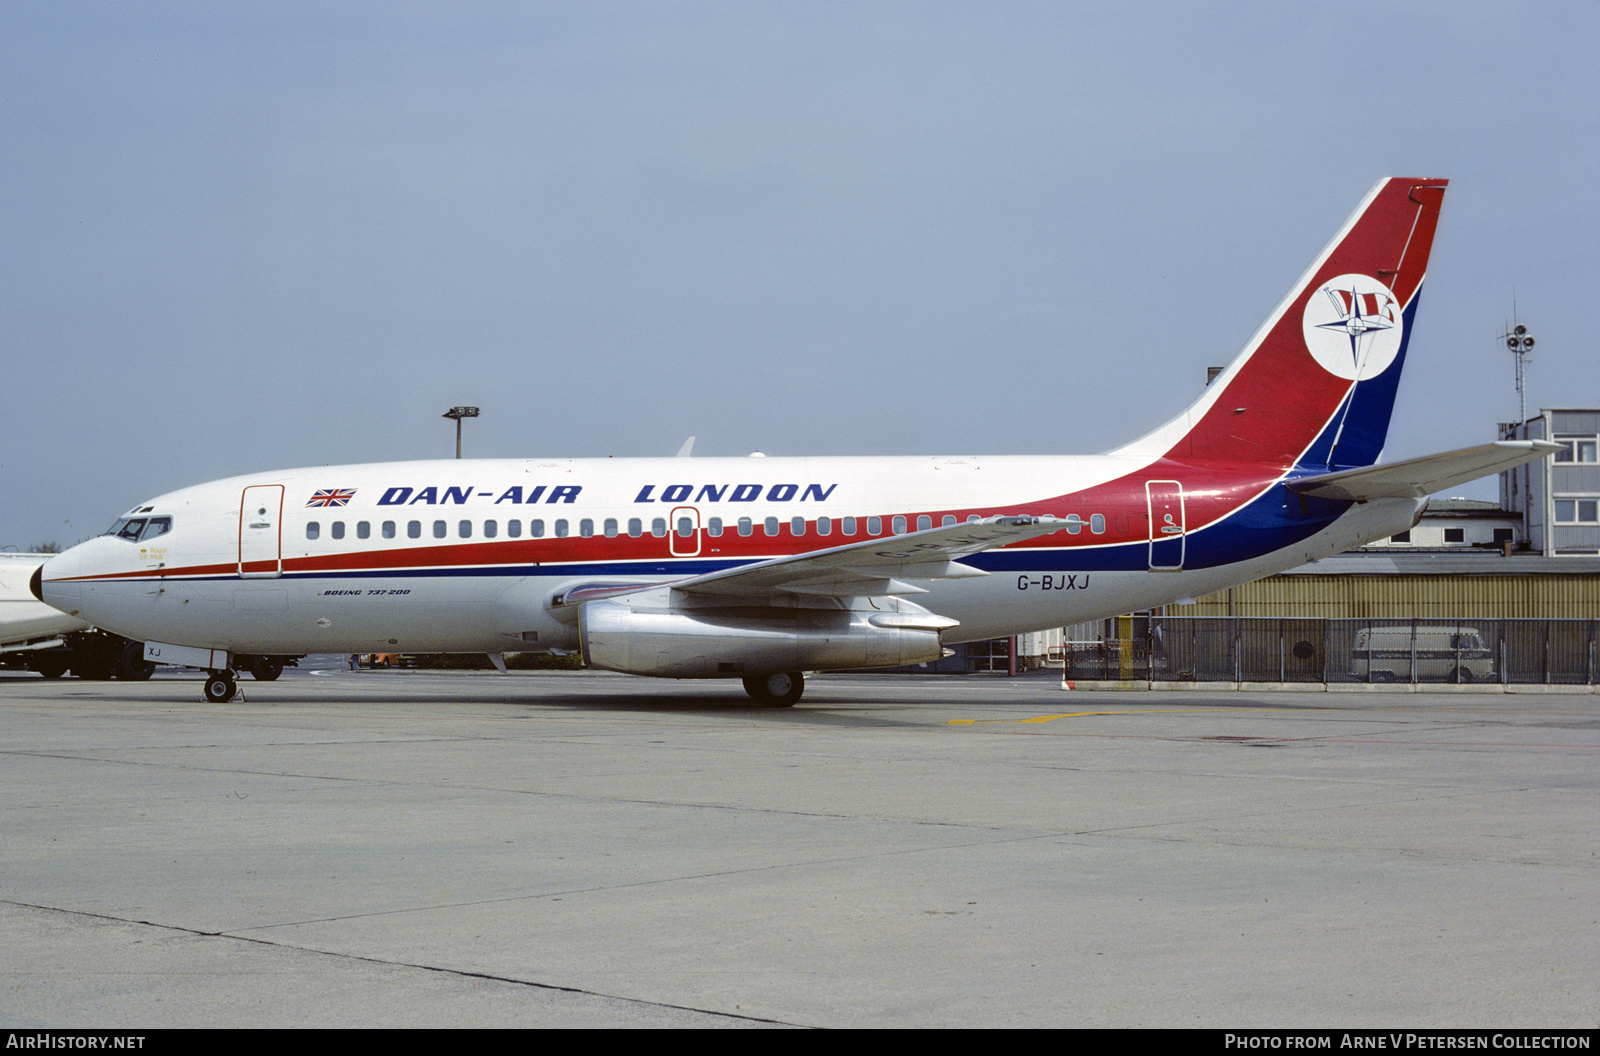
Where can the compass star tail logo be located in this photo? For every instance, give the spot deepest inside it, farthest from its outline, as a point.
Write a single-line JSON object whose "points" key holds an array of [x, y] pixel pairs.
{"points": [[1353, 326]]}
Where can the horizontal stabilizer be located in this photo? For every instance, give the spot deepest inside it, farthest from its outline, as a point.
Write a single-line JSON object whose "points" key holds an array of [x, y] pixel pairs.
{"points": [[1416, 477]]}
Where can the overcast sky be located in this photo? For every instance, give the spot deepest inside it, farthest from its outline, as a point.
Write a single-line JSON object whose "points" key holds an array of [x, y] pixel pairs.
{"points": [[246, 236]]}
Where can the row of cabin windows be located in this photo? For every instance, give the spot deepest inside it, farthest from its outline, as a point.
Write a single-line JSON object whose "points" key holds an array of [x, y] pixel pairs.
{"points": [[745, 526]]}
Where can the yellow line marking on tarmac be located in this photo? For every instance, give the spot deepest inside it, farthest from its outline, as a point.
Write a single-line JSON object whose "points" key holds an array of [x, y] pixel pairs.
{"points": [[1085, 714], [1036, 718]]}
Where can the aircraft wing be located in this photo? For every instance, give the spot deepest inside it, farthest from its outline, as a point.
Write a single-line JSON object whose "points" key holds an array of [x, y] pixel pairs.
{"points": [[1416, 477], [876, 566]]}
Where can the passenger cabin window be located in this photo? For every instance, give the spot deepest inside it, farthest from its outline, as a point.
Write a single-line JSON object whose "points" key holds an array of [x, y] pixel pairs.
{"points": [[658, 527], [824, 526], [536, 529], [635, 527], [313, 529], [586, 527], [714, 527], [874, 525], [948, 521], [847, 525], [746, 526], [440, 529], [388, 529], [363, 529], [336, 529], [514, 529], [414, 530], [924, 523], [491, 529], [770, 526], [611, 527], [899, 525], [797, 526], [464, 529], [561, 528]]}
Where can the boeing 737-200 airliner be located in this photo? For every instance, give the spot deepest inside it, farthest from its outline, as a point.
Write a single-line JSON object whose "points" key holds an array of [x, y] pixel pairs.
{"points": [[764, 568]]}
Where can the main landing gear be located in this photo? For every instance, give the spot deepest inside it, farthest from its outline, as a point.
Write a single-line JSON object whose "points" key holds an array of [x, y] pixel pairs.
{"points": [[221, 687], [779, 690]]}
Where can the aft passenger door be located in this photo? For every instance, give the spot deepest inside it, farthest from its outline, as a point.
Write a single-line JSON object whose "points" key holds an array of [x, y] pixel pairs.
{"points": [[261, 531], [1165, 501]]}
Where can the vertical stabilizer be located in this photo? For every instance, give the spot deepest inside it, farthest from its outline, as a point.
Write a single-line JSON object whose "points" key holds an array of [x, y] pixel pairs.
{"points": [[1316, 384]]}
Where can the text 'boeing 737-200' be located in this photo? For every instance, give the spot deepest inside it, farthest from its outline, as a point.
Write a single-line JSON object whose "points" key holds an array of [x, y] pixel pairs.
{"points": [[764, 568]]}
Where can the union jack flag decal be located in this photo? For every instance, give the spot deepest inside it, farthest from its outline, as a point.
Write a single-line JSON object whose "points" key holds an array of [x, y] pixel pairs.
{"points": [[333, 497]]}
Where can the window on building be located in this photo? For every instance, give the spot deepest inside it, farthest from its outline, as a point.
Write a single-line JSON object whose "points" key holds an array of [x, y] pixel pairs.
{"points": [[1571, 509], [1455, 535], [1503, 535], [1401, 537], [1577, 447]]}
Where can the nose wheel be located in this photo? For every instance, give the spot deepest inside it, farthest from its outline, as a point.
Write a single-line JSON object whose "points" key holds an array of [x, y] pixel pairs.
{"points": [[221, 687], [778, 690]]}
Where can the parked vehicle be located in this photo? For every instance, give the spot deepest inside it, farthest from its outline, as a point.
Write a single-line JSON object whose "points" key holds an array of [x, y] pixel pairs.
{"points": [[1446, 653]]}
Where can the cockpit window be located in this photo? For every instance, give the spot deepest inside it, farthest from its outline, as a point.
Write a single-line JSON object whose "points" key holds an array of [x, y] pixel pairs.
{"points": [[134, 529]]}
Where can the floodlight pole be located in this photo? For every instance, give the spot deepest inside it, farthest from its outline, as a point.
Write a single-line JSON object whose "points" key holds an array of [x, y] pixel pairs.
{"points": [[459, 413], [1520, 342]]}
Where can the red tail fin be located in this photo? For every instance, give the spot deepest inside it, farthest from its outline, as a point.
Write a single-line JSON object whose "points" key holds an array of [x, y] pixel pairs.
{"points": [[1316, 384]]}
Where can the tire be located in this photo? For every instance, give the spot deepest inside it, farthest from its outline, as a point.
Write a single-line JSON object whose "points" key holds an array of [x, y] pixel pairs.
{"points": [[778, 690], [96, 669], [1461, 674], [219, 689], [266, 668], [131, 664], [51, 667]]}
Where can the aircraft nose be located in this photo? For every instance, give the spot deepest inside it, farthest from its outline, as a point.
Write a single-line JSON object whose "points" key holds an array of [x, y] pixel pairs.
{"points": [[46, 580]]}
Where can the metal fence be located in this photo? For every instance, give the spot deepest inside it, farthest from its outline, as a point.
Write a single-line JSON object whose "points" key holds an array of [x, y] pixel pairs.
{"points": [[1243, 649]]}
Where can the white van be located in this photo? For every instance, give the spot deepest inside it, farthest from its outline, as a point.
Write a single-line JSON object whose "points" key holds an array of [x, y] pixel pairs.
{"points": [[1443, 654]]}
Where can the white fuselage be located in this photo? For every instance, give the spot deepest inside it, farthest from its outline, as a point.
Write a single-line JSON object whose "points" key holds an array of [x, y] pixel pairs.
{"points": [[473, 556]]}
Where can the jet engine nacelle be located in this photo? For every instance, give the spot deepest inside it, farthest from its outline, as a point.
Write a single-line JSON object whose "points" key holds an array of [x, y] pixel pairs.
{"points": [[733, 641]]}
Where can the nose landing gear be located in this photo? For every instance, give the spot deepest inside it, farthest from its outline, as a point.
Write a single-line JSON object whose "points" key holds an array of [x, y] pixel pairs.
{"points": [[221, 687]]}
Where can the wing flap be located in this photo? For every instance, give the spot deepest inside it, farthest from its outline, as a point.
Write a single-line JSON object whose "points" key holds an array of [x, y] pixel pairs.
{"points": [[1416, 477]]}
